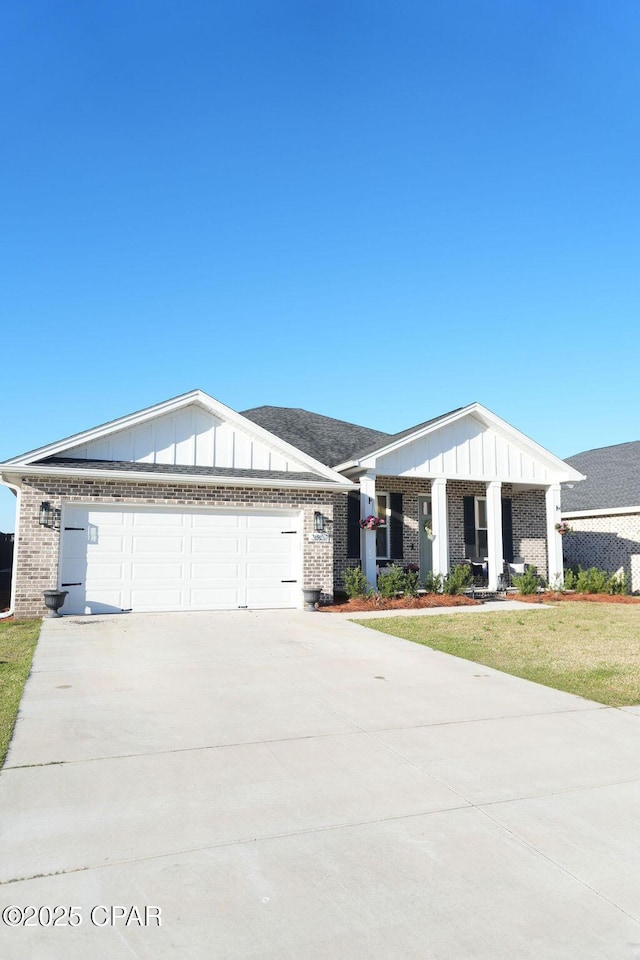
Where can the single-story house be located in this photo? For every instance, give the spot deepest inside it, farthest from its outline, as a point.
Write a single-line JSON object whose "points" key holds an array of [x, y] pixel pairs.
{"points": [[188, 505], [604, 511]]}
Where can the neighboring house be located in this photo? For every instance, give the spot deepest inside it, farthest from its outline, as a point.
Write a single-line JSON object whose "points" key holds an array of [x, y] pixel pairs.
{"points": [[604, 511], [188, 505]]}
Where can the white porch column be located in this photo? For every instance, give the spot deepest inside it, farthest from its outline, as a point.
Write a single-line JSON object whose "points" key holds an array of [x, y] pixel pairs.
{"points": [[554, 540], [494, 532], [440, 558], [368, 537]]}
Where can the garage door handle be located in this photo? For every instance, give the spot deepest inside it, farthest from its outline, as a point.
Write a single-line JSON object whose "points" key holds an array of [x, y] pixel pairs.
{"points": [[288, 581], [79, 584], [75, 528]]}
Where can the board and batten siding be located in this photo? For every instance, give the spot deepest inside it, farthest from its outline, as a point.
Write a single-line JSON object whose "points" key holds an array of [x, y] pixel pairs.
{"points": [[189, 437], [466, 448]]}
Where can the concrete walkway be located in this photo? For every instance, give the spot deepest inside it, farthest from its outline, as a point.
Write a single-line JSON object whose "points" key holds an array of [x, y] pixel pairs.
{"points": [[294, 786]]}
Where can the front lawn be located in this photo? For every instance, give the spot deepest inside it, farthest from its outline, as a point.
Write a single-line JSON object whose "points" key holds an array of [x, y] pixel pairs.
{"points": [[583, 648], [17, 643]]}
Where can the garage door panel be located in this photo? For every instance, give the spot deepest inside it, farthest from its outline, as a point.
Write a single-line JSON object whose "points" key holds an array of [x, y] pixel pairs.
{"points": [[103, 570], [151, 599], [229, 570], [75, 571], [269, 522], [226, 543], [103, 518], [268, 572], [155, 519], [76, 541], [277, 546], [216, 521], [107, 542], [171, 546], [269, 596], [167, 559], [106, 601], [160, 570], [214, 598]]}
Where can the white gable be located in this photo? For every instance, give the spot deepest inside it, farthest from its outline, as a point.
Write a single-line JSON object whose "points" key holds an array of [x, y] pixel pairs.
{"points": [[189, 436], [467, 449]]}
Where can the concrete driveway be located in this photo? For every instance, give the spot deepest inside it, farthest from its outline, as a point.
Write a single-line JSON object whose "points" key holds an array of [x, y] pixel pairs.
{"points": [[288, 785]]}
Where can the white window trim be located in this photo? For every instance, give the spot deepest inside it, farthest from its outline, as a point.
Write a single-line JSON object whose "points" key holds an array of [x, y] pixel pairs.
{"points": [[386, 528], [477, 501]]}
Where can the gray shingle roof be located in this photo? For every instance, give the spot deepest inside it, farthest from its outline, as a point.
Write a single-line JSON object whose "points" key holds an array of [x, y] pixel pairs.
{"points": [[222, 472], [327, 440], [613, 478], [391, 438]]}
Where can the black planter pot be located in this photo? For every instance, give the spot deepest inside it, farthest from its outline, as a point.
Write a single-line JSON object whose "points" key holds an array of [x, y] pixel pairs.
{"points": [[311, 597], [53, 600]]}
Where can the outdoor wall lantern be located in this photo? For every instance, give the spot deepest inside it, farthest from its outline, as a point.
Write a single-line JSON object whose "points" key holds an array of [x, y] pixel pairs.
{"points": [[318, 521], [49, 516]]}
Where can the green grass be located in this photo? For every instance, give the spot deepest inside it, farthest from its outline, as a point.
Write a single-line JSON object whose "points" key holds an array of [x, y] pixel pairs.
{"points": [[17, 643], [592, 650]]}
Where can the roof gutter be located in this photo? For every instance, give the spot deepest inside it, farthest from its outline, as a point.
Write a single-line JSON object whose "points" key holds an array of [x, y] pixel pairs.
{"points": [[187, 478], [12, 601], [599, 512]]}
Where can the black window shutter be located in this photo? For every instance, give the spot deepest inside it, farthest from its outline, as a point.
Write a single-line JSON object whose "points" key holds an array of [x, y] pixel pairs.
{"points": [[395, 526], [353, 525], [469, 509], [507, 530]]}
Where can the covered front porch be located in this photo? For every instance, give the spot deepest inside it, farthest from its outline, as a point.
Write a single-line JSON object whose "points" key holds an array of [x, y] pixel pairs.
{"points": [[437, 523], [467, 487]]}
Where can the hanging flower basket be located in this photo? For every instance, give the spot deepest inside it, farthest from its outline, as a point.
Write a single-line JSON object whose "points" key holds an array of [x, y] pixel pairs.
{"points": [[372, 523], [563, 528]]}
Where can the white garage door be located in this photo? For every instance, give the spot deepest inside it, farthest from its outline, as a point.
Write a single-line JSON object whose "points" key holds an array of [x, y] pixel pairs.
{"points": [[162, 559]]}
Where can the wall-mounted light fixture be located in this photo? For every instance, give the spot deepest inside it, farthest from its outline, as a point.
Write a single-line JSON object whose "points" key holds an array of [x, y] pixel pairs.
{"points": [[318, 521], [49, 516]]}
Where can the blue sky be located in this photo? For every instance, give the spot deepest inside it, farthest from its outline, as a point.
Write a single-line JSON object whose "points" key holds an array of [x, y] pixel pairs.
{"points": [[373, 210]]}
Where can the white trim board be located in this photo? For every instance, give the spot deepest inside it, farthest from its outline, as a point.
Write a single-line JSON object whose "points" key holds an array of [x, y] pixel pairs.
{"points": [[176, 478], [603, 512]]}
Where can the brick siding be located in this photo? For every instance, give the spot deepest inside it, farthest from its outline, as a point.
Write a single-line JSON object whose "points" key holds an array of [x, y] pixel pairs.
{"points": [[38, 546], [611, 543]]}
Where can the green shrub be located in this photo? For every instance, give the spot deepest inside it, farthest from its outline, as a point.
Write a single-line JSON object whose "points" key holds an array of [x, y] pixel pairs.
{"points": [[595, 580], [528, 582], [457, 579], [355, 583], [391, 580], [411, 582], [618, 583], [433, 582], [592, 581]]}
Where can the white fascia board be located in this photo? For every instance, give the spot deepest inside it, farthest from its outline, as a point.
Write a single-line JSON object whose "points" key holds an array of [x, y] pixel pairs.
{"points": [[169, 406], [104, 429], [603, 512], [66, 473]]}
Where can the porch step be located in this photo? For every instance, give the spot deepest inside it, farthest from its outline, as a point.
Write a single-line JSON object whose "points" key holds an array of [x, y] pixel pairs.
{"points": [[484, 594]]}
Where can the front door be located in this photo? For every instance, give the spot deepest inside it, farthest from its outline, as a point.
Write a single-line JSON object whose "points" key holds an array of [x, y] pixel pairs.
{"points": [[425, 521]]}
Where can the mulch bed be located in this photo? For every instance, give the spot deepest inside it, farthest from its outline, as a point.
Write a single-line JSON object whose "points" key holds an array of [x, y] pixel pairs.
{"points": [[366, 605], [550, 597]]}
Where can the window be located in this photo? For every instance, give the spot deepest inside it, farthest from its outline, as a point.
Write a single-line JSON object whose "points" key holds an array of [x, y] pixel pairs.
{"points": [[382, 533], [482, 539]]}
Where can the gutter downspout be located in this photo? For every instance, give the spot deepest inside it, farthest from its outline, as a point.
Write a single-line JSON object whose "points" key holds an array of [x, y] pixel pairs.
{"points": [[18, 492]]}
